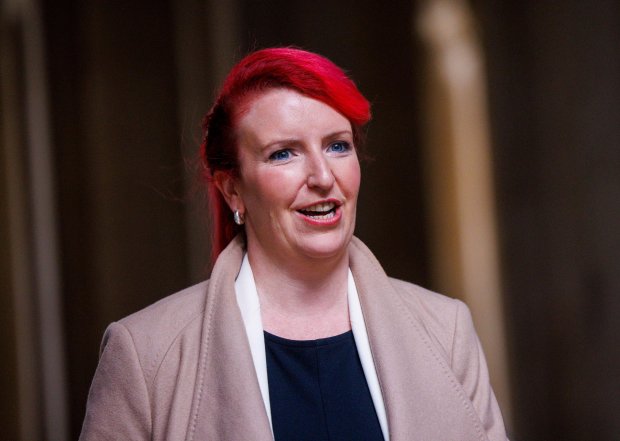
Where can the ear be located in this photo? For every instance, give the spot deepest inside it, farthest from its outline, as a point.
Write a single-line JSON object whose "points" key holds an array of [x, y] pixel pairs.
{"points": [[228, 185]]}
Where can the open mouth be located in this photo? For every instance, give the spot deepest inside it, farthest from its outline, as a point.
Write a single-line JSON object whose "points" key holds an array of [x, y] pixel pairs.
{"points": [[324, 210]]}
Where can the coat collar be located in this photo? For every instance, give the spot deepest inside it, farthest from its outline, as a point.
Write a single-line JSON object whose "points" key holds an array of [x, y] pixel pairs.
{"points": [[423, 399], [227, 402], [249, 305], [421, 394]]}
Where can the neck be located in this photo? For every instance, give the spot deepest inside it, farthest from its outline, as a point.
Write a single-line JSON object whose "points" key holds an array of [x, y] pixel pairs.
{"points": [[302, 299]]}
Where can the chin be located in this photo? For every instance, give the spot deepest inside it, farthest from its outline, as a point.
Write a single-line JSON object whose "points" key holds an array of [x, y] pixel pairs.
{"points": [[325, 247]]}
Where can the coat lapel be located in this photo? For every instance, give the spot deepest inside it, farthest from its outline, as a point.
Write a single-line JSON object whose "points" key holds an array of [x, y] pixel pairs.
{"points": [[227, 402], [423, 399]]}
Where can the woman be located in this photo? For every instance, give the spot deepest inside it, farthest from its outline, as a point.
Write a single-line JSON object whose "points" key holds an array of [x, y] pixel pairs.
{"points": [[299, 334]]}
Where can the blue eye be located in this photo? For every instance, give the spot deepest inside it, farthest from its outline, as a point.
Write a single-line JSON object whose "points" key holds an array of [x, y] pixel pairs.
{"points": [[280, 155], [340, 147]]}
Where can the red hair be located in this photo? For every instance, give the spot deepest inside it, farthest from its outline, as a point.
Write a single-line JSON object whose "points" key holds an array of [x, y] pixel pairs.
{"points": [[305, 72]]}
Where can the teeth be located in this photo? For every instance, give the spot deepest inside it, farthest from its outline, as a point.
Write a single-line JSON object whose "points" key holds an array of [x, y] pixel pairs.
{"points": [[322, 207], [325, 216], [324, 210]]}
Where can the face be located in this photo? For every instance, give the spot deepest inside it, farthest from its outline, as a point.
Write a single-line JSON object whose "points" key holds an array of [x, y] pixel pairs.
{"points": [[299, 177]]}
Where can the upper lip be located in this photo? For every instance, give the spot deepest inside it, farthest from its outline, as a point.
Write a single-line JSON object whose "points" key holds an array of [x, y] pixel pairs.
{"points": [[323, 205]]}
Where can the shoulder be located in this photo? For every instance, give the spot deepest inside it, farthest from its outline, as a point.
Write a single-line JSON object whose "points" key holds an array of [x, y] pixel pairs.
{"points": [[170, 313], [440, 317], [449, 324], [433, 308], [432, 303], [152, 331], [443, 318], [443, 323], [147, 363]]}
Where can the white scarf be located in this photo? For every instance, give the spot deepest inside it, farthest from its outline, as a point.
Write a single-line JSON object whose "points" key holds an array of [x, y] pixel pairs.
{"points": [[249, 304]]}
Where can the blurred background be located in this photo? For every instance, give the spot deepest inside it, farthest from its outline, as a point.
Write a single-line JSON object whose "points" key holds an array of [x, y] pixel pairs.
{"points": [[494, 177]]}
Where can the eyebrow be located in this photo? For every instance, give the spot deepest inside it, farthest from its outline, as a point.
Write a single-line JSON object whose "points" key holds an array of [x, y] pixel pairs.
{"points": [[286, 141], [339, 134]]}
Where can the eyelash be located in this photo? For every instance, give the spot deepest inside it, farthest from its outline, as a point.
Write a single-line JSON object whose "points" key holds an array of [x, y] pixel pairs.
{"points": [[346, 146], [276, 156]]}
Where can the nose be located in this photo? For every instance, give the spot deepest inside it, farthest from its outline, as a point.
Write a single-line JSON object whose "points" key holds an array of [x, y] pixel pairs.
{"points": [[320, 174]]}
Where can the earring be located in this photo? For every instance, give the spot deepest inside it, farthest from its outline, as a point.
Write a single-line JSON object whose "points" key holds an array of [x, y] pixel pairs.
{"points": [[238, 218]]}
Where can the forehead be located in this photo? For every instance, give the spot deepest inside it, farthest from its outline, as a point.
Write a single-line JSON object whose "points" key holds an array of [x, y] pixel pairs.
{"points": [[284, 113]]}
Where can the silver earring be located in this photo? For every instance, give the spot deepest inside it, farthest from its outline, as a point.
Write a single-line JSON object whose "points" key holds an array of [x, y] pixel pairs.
{"points": [[237, 217]]}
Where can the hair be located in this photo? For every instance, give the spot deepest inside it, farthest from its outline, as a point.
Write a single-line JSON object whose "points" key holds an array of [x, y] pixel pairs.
{"points": [[305, 72]]}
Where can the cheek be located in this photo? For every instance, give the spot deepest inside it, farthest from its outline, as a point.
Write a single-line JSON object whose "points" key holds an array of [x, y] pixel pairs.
{"points": [[351, 178], [273, 187]]}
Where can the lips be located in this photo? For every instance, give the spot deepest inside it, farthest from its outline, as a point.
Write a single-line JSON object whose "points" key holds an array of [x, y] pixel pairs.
{"points": [[320, 211]]}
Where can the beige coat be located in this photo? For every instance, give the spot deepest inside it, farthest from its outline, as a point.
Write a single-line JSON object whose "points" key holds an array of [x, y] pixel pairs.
{"points": [[181, 369]]}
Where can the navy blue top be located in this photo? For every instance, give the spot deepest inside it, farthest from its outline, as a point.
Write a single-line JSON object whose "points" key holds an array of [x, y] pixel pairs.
{"points": [[318, 391]]}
